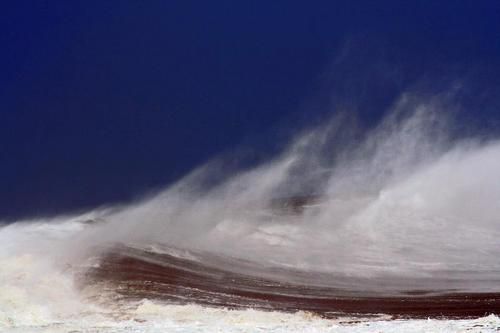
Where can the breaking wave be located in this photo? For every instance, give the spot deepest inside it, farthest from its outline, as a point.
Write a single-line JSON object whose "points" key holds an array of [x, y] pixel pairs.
{"points": [[400, 220]]}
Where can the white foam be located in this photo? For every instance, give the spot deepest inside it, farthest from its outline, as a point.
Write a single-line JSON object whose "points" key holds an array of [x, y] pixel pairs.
{"points": [[36, 295], [152, 317]]}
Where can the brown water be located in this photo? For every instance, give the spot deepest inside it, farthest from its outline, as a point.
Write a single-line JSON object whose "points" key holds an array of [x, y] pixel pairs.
{"points": [[181, 277]]}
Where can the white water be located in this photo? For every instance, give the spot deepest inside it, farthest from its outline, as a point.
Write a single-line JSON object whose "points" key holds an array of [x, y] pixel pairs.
{"points": [[403, 200], [37, 295]]}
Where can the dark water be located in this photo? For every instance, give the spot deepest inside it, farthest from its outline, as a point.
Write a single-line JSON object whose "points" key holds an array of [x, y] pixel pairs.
{"points": [[182, 277]]}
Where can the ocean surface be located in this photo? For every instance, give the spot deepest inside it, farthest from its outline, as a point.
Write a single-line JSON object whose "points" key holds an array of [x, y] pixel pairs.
{"points": [[41, 291]]}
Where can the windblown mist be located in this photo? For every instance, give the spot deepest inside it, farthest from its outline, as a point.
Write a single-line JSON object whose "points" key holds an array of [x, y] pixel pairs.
{"points": [[404, 198]]}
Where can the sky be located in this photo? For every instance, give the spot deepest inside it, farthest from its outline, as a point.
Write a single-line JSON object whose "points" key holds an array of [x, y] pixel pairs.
{"points": [[104, 101]]}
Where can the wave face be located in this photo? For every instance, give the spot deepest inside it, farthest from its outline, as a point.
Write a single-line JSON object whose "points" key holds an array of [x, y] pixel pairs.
{"points": [[401, 220], [180, 277]]}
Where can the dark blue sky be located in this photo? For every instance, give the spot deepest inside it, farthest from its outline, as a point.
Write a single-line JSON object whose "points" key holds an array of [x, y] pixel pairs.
{"points": [[101, 101]]}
